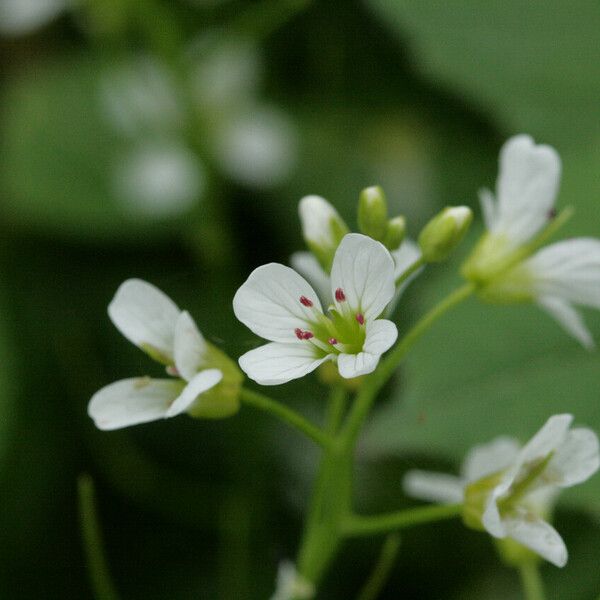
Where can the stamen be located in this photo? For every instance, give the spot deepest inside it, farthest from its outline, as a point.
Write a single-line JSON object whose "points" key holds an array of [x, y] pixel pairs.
{"points": [[332, 341], [360, 318], [306, 301], [551, 214], [172, 370], [303, 335], [339, 295]]}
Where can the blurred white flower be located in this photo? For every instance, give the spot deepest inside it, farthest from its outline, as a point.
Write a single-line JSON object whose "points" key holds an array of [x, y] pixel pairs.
{"points": [[18, 17], [257, 148], [509, 491], [159, 180], [557, 276], [291, 585]]}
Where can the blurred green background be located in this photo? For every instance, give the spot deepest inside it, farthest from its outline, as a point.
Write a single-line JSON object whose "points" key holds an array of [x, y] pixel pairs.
{"points": [[171, 140]]}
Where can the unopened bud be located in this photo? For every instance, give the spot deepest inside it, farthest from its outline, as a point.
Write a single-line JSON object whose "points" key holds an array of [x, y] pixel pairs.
{"points": [[444, 232], [322, 228], [372, 213], [396, 231]]}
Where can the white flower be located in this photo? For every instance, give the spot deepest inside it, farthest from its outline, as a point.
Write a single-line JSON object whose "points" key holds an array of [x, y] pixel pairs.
{"points": [[557, 276], [278, 304], [291, 585], [152, 321], [512, 490]]}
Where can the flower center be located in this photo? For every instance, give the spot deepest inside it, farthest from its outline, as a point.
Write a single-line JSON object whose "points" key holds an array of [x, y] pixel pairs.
{"points": [[342, 330]]}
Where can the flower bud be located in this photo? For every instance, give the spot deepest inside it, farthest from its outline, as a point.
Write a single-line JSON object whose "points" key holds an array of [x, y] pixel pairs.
{"points": [[322, 228], [396, 231], [444, 232], [222, 400], [372, 213]]}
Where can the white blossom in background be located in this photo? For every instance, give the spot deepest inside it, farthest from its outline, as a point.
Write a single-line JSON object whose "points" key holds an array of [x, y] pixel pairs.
{"points": [[291, 585], [159, 180], [258, 147], [19, 17], [154, 323], [518, 486], [279, 305], [556, 277]]}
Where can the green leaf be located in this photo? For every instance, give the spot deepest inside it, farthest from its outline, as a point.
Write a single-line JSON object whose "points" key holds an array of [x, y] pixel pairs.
{"points": [[535, 66]]}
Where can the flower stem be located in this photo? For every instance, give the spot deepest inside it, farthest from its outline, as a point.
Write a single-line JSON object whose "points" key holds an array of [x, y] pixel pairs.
{"points": [[374, 382], [533, 586], [406, 274], [381, 572], [357, 525], [102, 585], [287, 415]]}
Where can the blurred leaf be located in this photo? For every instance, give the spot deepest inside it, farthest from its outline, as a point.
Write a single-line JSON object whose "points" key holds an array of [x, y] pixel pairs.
{"points": [[60, 157], [533, 65]]}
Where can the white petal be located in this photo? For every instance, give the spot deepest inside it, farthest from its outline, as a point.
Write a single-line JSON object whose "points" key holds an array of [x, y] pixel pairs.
{"points": [[526, 188], [569, 270], [189, 347], [575, 460], [308, 266], [486, 459], [145, 316], [200, 383], [269, 304], [364, 270], [537, 535], [546, 440], [132, 401], [434, 487], [355, 365], [275, 363], [488, 208], [568, 318], [380, 336], [316, 215]]}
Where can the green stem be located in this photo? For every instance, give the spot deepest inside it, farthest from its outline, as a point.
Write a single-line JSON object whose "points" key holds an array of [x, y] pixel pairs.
{"points": [[102, 585], [533, 586], [357, 525], [406, 274], [287, 415], [374, 382], [382, 570]]}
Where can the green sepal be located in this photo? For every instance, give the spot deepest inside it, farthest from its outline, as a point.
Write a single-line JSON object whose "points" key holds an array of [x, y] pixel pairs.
{"points": [[515, 554], [476, 497], [157, 355], [223, 400]]}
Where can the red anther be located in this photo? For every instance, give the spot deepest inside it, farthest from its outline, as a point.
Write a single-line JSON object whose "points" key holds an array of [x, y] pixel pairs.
{"points": [[299, 333], [339, 295], [360, 318], [307, 335], [332, 341], [305, 301]]}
